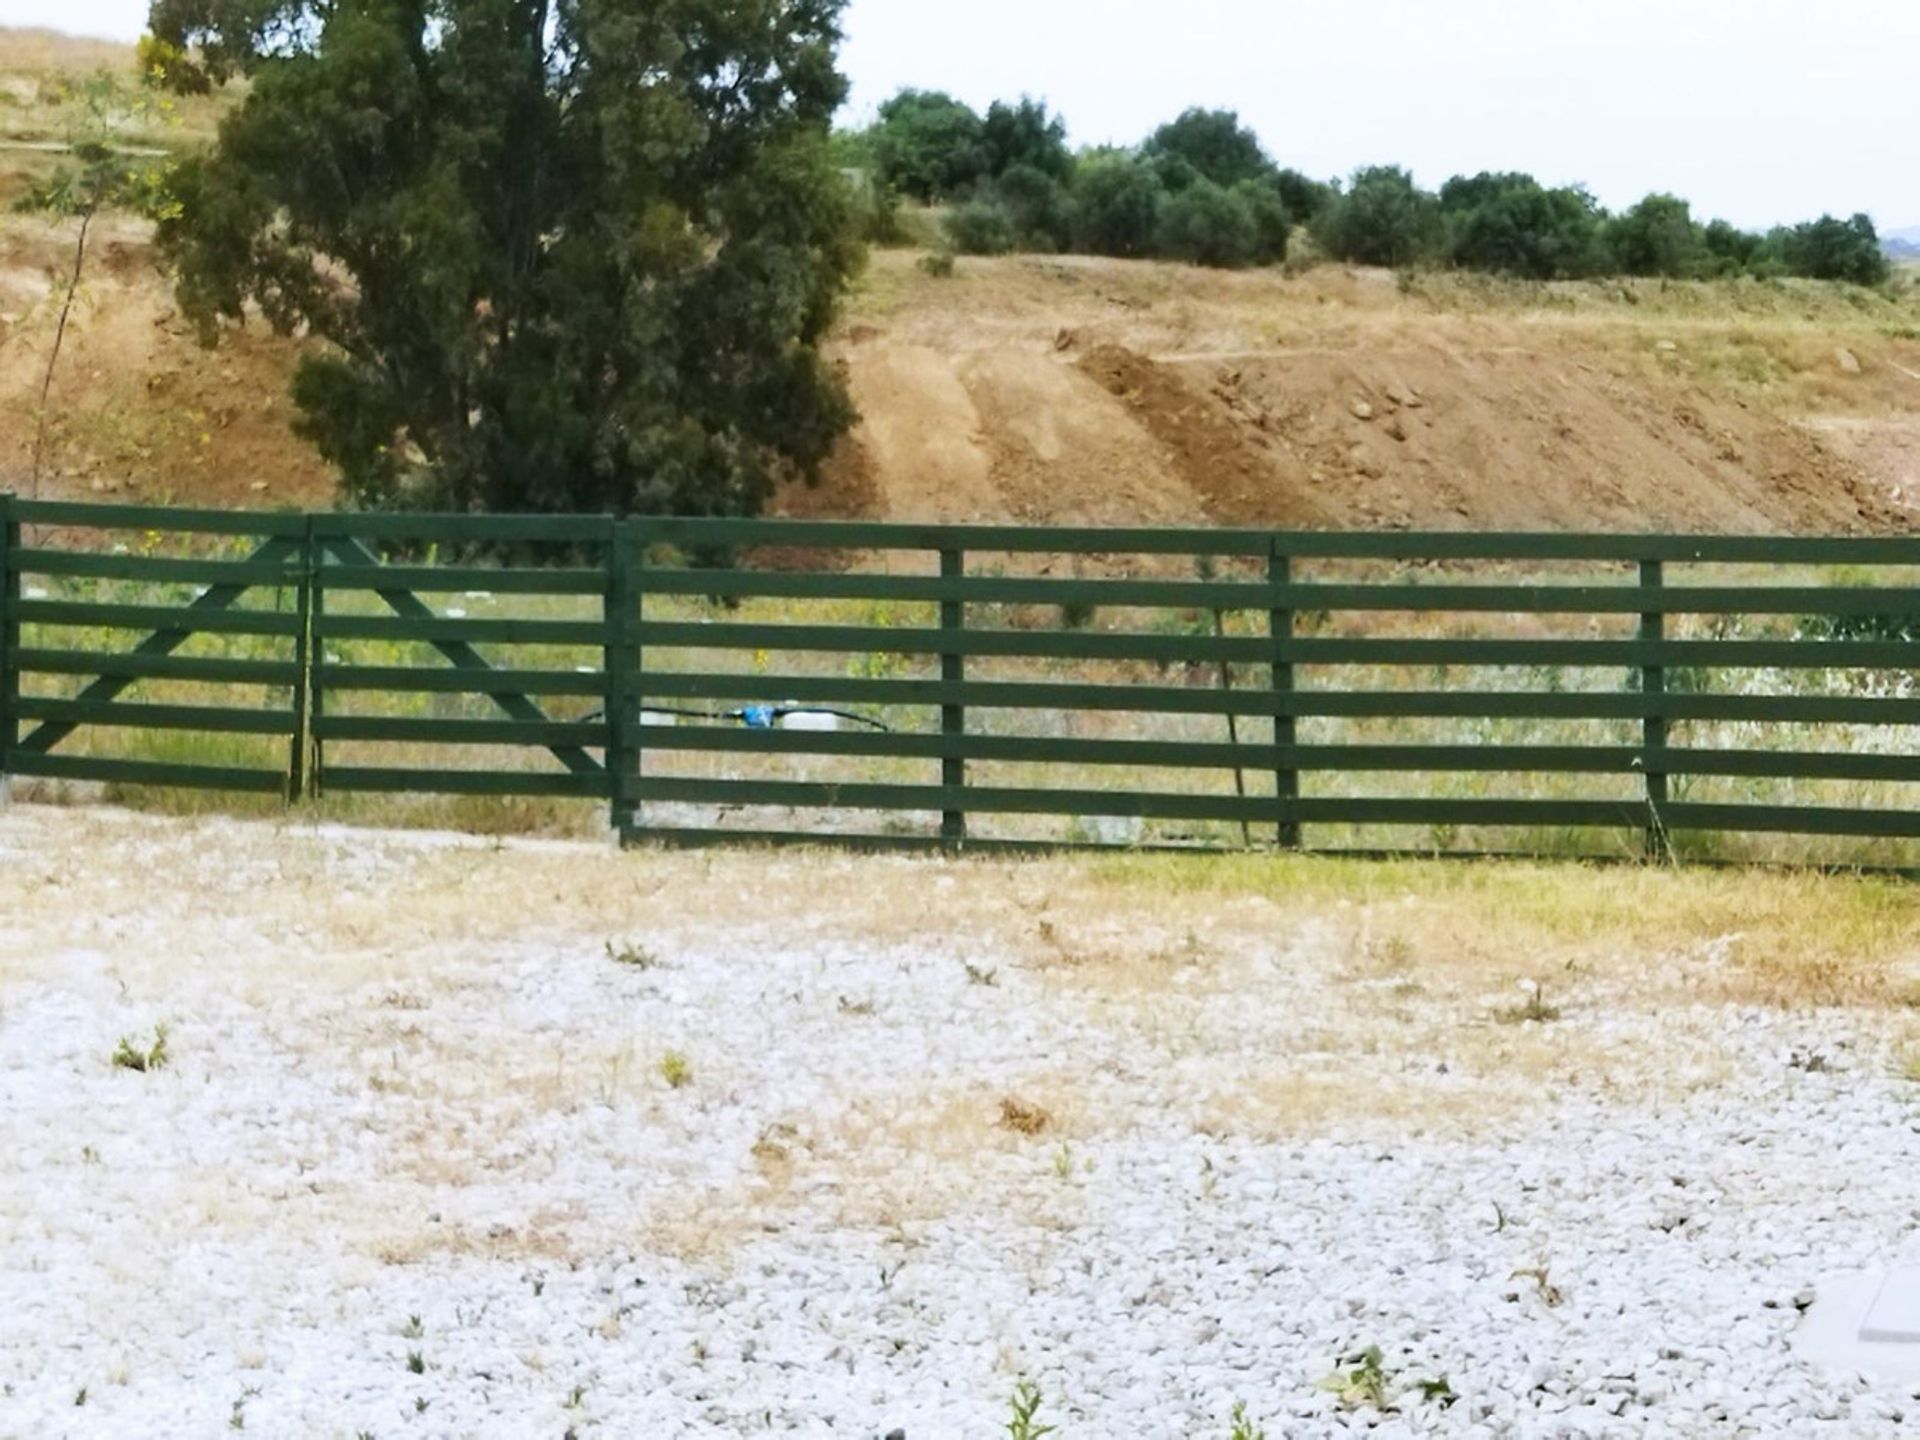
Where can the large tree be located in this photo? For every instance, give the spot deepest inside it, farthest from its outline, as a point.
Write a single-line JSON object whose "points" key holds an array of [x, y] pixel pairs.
{"points": [[1512, 225], [558, 254], [1215, 144], [1658, 236], [929, 145], [1383, 219]]}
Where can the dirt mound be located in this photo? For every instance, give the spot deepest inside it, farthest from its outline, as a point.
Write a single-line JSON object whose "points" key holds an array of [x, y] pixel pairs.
{"points": [[1501, 438], [1226, 449]]}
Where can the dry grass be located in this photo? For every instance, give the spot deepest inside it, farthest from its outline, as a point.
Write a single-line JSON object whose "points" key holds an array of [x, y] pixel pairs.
{"points": [[1763, 937], [1023, 1117]]}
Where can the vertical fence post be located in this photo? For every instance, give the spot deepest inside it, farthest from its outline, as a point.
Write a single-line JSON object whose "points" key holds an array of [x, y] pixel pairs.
{"points": [[953, 717], [621, 664], [306, 576], [9, 638], [1286, 774], [1653, 727], [317, 656]]}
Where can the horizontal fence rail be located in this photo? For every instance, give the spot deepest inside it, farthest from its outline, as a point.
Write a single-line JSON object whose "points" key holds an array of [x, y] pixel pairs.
{"points": [[978, 687]]}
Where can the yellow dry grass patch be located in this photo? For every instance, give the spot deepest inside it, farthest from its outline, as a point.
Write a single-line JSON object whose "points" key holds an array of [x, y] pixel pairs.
{"points": [[1638, 935], [1127, 923]]}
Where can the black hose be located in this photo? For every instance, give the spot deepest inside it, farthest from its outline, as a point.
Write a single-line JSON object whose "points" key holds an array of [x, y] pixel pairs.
{"points": [[774, 713]]}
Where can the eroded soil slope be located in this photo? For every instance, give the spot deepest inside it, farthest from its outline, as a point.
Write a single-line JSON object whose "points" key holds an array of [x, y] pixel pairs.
{"points": [[1097, 391]]}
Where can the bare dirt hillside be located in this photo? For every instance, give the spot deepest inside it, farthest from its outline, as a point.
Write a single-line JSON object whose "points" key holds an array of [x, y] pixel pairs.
{"points": [[1072, 390], [1096, 391]]}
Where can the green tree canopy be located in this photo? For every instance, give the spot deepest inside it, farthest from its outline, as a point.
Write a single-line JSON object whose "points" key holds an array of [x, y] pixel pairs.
{"points": [[1117, 204], [1731, 250], [1383, 219], [561, 256], [927, 144], [1658, 236], [1515, 226], [1215, 144], [1039, 206], [1464, 194], [1832, 249], [1026, 134], [1303, 196], [1207, 225]]}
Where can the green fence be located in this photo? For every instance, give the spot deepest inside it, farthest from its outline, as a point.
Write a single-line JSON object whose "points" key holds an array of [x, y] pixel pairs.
{"points": [[982, 687]]}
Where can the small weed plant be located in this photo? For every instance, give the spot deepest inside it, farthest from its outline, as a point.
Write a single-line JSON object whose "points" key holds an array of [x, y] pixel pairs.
{"points": [[129, 1056], [1361, 1380], [676, 1070], [1024, 1421], [1534, 1010], [633, 956], [1440, 1391], [1243, 1428], [1550, 1294]]}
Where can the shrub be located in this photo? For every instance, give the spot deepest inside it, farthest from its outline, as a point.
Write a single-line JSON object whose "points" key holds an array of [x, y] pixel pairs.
{"points": [[1272, 222], [1729, 249], [1383, 219], [981, 227], [1039, 207], [1831, 249], [1531, 232], [876, 213], [1116, 205], [1304, 198], [1206, 225], [1656, 237], [939, 264]]}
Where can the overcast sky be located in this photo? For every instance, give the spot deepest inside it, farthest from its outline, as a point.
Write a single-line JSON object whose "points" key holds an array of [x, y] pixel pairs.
{"points": [[1756, 110]]}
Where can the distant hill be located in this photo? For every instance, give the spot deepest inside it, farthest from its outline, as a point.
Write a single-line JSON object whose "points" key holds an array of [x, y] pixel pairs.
{"points": [[1902, 244]]}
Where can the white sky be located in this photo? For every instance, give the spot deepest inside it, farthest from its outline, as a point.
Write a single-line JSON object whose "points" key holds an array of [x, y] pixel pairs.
{"points": [[1757, 110]]}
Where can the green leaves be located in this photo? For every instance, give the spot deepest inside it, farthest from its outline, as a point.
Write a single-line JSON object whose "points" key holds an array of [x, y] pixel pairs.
{"points": [[101, 172], [571, 257]]}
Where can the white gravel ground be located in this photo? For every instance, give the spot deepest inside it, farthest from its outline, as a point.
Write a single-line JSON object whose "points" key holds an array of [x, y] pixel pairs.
{"points": [[414, 1167]]}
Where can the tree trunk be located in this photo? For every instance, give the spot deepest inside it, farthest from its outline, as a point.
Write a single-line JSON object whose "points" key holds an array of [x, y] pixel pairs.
{"points": [[53, 355]]}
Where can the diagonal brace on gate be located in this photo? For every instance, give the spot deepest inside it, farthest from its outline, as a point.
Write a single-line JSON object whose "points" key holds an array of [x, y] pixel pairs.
{"points": [[463, 656], [45, 736]]}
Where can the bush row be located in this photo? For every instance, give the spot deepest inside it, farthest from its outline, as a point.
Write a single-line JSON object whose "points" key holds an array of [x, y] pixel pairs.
{"points": [[1203, 189]]}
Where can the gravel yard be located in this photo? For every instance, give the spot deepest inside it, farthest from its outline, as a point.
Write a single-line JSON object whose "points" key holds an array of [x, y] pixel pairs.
{"points": [[461, 1137]]}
